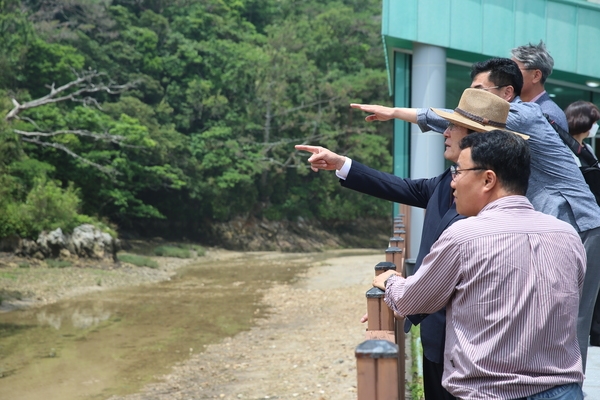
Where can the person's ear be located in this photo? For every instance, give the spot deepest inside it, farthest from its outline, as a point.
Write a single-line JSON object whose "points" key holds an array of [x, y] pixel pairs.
{"points": [[490, 180], [537, 76], [508, 93]]}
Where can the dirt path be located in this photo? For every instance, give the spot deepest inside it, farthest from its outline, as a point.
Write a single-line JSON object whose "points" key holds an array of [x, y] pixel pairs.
{"points": [[305, 349]]}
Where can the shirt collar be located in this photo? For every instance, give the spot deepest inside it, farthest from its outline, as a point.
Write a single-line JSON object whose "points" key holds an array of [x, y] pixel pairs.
{"points": [[512, 201], [537, 97]]}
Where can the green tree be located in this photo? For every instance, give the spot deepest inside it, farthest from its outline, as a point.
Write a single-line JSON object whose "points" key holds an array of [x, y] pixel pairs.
{"points": [[223, 90]]}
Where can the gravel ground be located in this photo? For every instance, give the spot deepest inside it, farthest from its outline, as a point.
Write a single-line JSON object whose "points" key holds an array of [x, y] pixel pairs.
{"points": [[303, 350]]}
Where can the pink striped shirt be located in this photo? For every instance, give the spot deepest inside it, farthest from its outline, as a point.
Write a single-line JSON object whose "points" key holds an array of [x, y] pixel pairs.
{"points": [[510, 278]]}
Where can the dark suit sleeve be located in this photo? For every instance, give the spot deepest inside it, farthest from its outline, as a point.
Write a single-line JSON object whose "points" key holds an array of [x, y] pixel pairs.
{"points": [[413, 192]]}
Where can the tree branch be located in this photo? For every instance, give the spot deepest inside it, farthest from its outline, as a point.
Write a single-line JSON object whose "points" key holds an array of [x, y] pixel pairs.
{"points": [[303, 106], [80, 90], [105, 137], [106, 170], [84, 84]]}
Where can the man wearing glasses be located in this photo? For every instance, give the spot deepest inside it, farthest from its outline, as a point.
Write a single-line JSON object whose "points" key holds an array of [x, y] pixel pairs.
{"points": [[511, 331], [435, 195], [556, 186], [536, 65]]}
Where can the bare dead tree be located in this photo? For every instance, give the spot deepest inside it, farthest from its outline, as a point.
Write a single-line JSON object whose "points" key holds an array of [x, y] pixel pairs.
{"points": [[78, 90], [81, 90]]}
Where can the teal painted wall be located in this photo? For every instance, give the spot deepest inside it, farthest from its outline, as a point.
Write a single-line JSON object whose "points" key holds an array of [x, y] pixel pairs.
{"points": [[570, 28], [401, 166], [401, 150], [402, 128]]}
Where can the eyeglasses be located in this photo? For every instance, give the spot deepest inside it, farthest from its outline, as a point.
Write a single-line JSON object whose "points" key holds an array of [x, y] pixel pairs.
{"points": [[451, 126], [490, 88], [454, 171]]}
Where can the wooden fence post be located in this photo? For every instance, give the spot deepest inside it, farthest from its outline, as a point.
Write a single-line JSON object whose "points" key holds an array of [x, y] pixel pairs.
{"points": [[377, 370], [381, 317], [404, 210], [397, 241], [381, 323], [381, 359], [395, 255]]}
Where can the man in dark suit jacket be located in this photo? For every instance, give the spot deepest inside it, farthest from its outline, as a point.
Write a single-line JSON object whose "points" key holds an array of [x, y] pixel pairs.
{"points": [[434, 194]]}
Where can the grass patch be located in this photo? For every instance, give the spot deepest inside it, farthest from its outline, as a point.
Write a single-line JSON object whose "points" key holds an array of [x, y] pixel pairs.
{"points": [[200, 251], [23, 265], [8, 275], [139, 261], [53, 263], [417, 391], [172, 251]]}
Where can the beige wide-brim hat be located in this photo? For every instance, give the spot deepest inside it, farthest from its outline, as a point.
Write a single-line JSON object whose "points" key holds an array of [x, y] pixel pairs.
{"points": [[480, 111]]}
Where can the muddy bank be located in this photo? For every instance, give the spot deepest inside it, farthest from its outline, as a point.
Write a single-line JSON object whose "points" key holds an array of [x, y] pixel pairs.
{"points": [[260, 234], [303, 347], [28, 282], [303, 350], [98, 344]]}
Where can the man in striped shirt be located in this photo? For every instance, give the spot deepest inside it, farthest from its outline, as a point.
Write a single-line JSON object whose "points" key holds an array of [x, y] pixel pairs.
{"points": [[510, 278]]}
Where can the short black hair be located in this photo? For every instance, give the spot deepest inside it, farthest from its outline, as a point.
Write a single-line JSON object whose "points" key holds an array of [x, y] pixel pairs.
{"points": [[504, 153], [503, 72]]}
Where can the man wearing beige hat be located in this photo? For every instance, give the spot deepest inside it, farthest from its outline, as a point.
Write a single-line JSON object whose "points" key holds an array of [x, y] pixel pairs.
{"points": [[478, 111], [556, 185]]}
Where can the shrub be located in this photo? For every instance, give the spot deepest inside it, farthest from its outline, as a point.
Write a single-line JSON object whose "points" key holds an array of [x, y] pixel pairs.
{"points": [[49, 207], [46, 206]]}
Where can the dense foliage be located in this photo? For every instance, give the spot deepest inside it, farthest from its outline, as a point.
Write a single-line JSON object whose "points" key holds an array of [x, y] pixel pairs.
{"points": [[223, 89]]}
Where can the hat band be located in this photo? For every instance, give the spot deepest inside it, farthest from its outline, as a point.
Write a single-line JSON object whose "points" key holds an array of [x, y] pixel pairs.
{"points": [[481, 120]]}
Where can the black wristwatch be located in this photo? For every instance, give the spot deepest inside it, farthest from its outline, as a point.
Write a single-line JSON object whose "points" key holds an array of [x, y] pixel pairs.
{"points": [[385, 282]]}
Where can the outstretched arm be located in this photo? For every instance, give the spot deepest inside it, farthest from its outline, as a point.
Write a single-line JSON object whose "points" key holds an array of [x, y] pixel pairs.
{"points": [[322, 158], [382, 113]]}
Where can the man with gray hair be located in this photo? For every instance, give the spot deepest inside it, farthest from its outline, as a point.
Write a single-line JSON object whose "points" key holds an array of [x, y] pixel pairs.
{"points": [[536, 65]]}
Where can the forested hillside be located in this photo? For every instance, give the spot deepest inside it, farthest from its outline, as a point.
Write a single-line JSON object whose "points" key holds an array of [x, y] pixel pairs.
{"points": [[182, 113]]}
